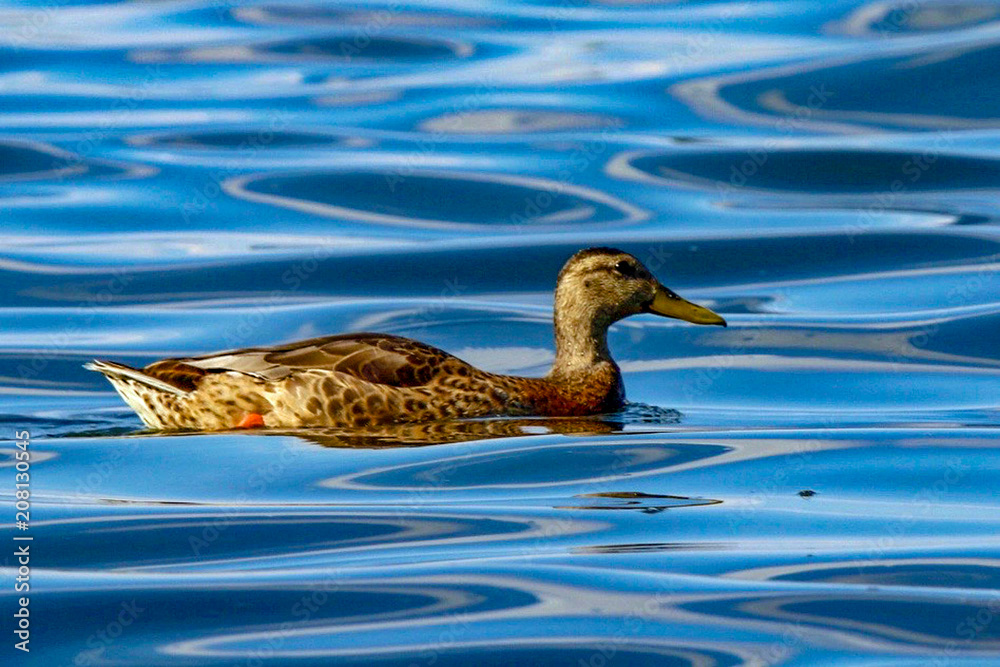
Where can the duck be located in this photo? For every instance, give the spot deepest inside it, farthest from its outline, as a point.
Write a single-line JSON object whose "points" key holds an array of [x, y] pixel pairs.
{"points": [[358, 380]]}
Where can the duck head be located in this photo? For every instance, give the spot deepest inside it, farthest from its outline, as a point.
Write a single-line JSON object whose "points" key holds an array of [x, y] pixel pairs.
{"points": [[599, 286]]}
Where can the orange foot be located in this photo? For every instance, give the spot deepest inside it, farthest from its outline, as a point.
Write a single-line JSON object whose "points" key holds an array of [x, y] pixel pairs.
{"points": [[252, 420]]}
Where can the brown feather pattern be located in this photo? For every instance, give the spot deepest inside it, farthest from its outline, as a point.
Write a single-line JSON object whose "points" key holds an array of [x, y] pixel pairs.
{"points": [[365, 379]]}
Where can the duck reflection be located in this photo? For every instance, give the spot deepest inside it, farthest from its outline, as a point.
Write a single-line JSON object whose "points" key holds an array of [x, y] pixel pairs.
{"points": [[447, 432]]}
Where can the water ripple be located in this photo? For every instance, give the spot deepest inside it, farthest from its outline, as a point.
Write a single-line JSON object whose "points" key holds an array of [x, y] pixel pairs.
{"points": [[814, 484], [407, 198]]}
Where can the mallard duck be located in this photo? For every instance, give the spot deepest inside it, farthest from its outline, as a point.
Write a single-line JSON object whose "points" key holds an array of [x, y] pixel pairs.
{"points": [[362, 379]]}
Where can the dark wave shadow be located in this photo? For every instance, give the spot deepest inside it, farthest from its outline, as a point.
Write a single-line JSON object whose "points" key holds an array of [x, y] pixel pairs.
{"points": [[932, 86], [885, 618], [356, 48], [815, 171], [22, 161], [465, 618], [930, 572], [245, 140], [900, 18], [547, 465], [177, 537], [437, 199]]}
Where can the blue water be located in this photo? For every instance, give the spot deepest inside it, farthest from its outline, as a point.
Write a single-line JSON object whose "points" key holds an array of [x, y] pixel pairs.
{"points": [[816, 484]]}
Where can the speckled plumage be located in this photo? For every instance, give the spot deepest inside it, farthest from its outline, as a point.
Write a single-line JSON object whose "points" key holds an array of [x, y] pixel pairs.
{"points": [[369, 379]]}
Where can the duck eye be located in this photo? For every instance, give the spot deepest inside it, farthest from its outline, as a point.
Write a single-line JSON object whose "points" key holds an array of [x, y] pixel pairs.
{"points": [[626, 268]]}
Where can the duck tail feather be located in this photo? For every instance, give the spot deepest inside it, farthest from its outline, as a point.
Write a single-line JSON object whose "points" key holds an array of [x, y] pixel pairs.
{"points": [[115, 371]]}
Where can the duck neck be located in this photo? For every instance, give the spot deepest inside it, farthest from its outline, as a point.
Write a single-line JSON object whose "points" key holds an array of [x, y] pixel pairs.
{"points": [[581, 342]]}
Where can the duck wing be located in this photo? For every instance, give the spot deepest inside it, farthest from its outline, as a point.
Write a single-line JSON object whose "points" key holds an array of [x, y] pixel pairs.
{"points": [[377, 358]]}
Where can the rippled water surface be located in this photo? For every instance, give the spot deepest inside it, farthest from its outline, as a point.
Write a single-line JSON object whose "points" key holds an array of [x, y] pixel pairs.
{"points": [[816, 484]]}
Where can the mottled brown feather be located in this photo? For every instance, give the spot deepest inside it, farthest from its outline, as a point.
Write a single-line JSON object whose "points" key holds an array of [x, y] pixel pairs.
{"points": [[377, 358], [177, 373], [369, 379]]}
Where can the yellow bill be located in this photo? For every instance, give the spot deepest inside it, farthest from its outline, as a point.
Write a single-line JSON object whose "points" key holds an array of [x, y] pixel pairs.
{"points": [[668, 304]]}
